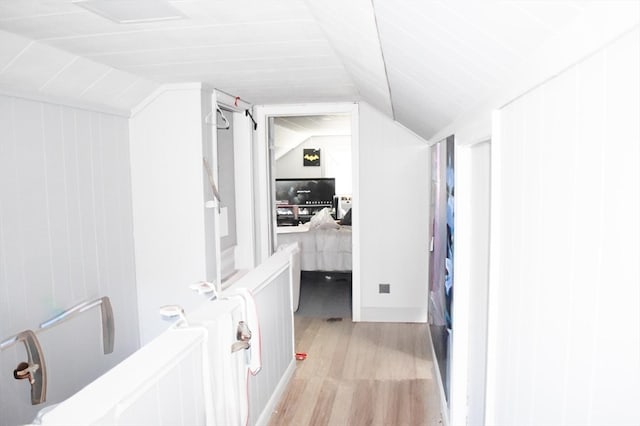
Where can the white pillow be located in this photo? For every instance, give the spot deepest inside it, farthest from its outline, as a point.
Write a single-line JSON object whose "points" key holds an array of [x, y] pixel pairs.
{"points": [[323, 220]]}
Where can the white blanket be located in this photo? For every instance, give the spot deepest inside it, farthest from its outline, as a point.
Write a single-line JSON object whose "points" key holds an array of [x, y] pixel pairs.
{"points": [[321, 249]]}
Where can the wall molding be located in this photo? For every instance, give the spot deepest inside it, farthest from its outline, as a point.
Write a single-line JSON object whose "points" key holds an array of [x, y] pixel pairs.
{"points": [[416, 314]]}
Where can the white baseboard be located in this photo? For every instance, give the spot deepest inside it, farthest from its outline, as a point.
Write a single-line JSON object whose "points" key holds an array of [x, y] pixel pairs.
{"points": [[418, 315], [444, 408], [265, 416]]}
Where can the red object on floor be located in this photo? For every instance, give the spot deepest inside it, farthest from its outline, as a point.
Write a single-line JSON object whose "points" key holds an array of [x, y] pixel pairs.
{"points": [[301, 356]]}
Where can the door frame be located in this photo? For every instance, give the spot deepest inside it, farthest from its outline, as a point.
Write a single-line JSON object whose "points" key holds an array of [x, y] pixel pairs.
{"points": [[265, 220]]}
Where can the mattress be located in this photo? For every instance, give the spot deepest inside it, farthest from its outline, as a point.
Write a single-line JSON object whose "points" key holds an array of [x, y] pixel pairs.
{"points": [[320, 249]]}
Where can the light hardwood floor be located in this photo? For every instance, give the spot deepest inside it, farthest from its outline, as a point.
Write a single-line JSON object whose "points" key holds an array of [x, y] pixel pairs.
{"points": [[360, 374]]}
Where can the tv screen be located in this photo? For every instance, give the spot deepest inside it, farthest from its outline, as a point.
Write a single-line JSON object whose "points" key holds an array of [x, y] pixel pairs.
{"points": [[304, 192]]}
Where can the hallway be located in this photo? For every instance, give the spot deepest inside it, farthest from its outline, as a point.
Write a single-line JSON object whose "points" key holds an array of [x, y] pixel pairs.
{"points": [[360, 374]]}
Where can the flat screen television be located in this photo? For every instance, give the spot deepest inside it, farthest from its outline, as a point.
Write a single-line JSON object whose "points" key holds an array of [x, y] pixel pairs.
{"points": [[305, 192]]}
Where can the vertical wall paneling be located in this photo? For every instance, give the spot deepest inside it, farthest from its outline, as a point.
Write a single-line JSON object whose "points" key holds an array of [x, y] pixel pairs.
{"points": [[160, 384], [188, 372], [65, 219], [276, 327], [564, 339]]}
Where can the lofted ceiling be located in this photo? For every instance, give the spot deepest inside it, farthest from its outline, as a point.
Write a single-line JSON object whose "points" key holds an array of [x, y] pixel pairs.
{"points": [[292, 131], [423, 63]]}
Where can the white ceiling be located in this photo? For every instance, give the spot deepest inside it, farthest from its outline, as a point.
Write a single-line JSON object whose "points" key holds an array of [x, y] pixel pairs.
{"points": [[423, 63], [290, 132], [317, 125]]}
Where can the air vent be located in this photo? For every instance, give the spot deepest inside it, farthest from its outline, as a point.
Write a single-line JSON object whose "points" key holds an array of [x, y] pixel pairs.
{"points": [[132, 11]]}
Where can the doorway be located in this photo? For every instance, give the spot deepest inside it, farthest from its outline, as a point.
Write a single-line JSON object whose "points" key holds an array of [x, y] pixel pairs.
{"points": [[312, 177], [289, 120]]}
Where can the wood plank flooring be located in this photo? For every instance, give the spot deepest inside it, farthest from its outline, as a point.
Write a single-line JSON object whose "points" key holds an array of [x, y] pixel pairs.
{"points": [[360, 374]]}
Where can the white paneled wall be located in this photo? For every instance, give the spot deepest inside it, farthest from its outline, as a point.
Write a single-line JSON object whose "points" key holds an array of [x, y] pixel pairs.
{"points": [[184, 376], [564, 336], [276, 327], [392, 213], [65, 236], [164, 383], [167, 179]]}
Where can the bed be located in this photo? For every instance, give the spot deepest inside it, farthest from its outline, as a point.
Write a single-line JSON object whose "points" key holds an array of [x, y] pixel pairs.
{"points": [[320, 249]]}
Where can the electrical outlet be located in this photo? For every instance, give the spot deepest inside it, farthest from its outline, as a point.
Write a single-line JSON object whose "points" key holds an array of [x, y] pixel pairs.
{"points": [[384, 288]]}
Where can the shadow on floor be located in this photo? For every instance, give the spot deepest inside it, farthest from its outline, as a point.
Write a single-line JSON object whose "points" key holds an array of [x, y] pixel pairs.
{"points": [[325, 295]]}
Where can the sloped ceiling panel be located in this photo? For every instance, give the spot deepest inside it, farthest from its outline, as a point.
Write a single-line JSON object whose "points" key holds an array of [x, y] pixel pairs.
{"points": [[266, 51], [444, 58], [424, 62], [350, 27], [291, 132], [32, 67]]}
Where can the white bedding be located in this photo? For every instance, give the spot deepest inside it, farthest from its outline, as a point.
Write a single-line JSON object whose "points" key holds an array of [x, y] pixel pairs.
{"points": [[321, 249]]}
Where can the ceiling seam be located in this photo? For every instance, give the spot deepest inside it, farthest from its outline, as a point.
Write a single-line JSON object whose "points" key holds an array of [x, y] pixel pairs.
{"points": [[206, 46], [98, 80], [223, 61], [384, 62], [127, 88], [16, 57], [170, 29], [56, 75]]}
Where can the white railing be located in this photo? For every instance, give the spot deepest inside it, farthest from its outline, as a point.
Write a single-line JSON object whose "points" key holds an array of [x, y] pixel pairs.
{"points": [[189, 375]]}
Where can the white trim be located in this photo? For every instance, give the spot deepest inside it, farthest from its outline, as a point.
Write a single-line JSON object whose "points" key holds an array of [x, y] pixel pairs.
{"points": [[263, 113], [229, 101], [356, 289], [494, 267], [270, 407], [458, 391], [404, 314], [261, 188], [465, 354], [63, 101], [216, 176]]}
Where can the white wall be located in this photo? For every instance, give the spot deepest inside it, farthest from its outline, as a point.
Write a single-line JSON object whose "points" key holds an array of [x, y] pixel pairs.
{"points": [[471, 272], [335, 161], [65, 237], [393, 219], [285, 139], [565, 306], [168, 203]]}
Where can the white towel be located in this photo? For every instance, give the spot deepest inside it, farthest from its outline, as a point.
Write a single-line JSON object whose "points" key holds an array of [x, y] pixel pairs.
{"points": [[227, 392], [250, 314]]}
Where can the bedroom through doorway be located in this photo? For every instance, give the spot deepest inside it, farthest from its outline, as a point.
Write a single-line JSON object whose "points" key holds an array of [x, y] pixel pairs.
{"points": [[312, 197]]}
